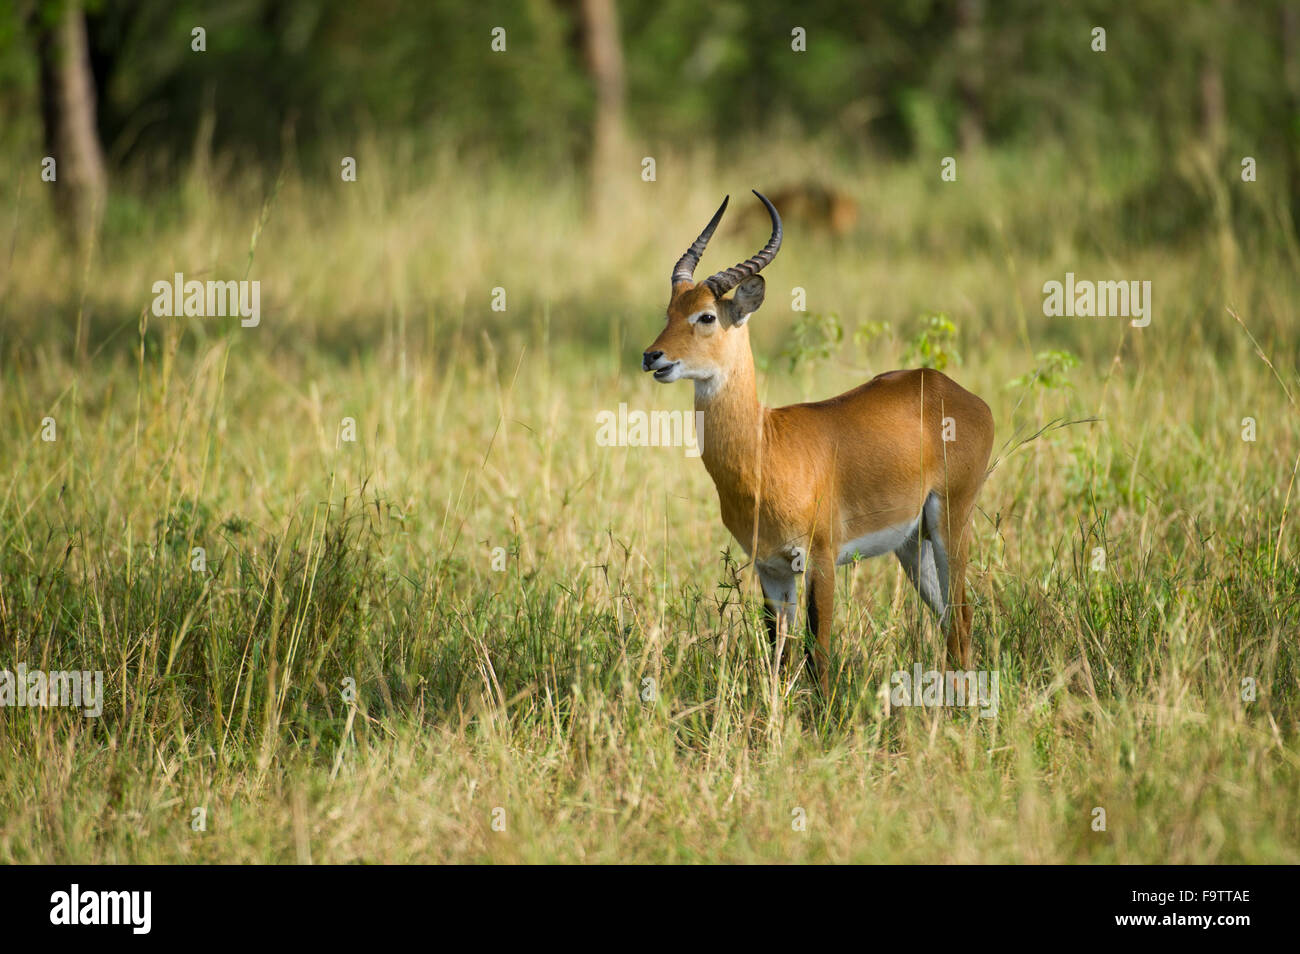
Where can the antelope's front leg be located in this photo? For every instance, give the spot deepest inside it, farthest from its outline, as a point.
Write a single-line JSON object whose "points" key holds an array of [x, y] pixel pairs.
{"points": [[820, 583], [777, 577]]}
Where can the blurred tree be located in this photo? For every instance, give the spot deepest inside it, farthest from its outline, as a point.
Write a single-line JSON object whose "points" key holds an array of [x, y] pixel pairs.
{"points": [[574, 79], [970, 72], [67, 95], [595, 32], [1289, 32]]}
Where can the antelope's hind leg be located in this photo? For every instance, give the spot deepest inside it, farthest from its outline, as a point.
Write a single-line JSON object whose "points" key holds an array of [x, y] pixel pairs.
{"points": [[919, 561], [820, 583], [959, 623], [948, 529], [925, 558]]}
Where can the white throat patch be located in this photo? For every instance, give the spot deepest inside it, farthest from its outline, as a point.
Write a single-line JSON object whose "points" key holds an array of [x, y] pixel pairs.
{"points": [[706, 389]]}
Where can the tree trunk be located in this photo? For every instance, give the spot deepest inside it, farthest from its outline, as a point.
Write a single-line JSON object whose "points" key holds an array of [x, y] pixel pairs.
{"points": [[68, 116], [602, 51], [970, 74], [1290, 31]]}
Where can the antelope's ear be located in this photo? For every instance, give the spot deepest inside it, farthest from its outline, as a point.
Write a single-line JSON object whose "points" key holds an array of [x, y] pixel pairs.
{"points": [[749, 295]]}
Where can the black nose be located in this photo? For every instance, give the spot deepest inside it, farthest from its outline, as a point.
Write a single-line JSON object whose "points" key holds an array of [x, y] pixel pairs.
{"points": [[649, 358]]}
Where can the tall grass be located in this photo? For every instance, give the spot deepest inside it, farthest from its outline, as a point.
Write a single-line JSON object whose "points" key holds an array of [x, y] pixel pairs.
{"points": [[610, 689]]}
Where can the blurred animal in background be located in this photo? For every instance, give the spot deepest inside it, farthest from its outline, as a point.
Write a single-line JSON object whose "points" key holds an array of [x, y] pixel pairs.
{"points": [[809, 208]]}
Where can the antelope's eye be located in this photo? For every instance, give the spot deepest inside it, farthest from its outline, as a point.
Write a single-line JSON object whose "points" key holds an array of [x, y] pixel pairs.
{"points": [[706, 318]]}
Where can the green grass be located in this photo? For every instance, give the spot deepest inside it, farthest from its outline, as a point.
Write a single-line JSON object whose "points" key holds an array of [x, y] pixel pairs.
{"points": [[523, 689]]}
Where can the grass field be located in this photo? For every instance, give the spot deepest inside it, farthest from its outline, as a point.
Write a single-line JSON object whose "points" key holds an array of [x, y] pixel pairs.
{"points": [[504, 714]]}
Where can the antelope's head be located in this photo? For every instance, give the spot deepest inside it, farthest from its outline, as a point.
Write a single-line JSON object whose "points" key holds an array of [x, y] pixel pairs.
{"points": [[706, 333]]}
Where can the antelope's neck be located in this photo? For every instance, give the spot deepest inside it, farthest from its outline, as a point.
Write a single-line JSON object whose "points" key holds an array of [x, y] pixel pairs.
{"points": [[733, 425]]}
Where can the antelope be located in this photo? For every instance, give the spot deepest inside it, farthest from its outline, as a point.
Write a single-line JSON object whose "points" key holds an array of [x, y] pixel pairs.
{"points": [[892, 466]]}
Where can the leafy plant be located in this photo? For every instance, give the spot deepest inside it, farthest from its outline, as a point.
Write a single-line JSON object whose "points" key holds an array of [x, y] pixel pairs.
{"points": [[867, 333], [813, 338], [932, 347], [1050, 373]]}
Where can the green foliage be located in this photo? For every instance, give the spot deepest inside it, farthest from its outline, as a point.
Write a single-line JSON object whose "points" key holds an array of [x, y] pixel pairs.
{"points": [[1049, 374], [814, 337], [868, 333], [281, 77], [934, 345]]}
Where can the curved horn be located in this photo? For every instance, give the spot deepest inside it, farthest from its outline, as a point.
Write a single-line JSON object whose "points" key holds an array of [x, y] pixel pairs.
{"points": [[723, 282], [684, 270]]}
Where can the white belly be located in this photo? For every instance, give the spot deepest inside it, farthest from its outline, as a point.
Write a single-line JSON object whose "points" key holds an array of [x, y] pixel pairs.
{"points": [[879, 542]]}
